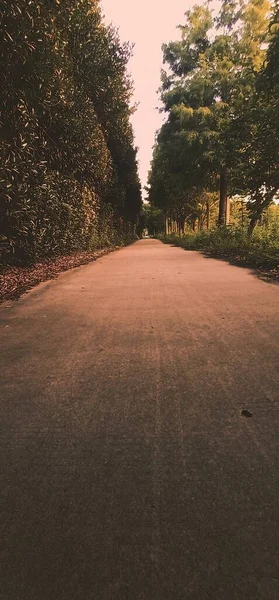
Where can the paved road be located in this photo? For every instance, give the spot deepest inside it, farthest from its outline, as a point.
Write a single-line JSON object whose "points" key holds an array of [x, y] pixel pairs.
{"points": [[128, 470]]}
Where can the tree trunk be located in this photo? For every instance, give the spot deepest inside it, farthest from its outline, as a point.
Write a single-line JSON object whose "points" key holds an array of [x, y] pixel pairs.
{"points": [[262, 204], [252, 225], [207, 215], [194, 224], [228, 210], [181, 227], [223, 196]]}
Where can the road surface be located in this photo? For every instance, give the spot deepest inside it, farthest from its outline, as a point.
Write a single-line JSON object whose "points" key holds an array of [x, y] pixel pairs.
{"points": [[128, 469]]}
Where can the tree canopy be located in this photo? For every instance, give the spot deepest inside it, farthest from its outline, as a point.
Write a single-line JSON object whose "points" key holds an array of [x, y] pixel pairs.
{"points": [[220, 96]]}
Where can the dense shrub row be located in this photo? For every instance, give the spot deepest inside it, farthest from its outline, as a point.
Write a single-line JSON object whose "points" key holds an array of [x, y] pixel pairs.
{"points": [[68, 168]]}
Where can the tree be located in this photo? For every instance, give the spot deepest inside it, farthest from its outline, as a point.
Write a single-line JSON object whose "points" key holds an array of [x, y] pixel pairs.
{"points": [[213, 70], [68, 161], [152, 219], [256, 134]]}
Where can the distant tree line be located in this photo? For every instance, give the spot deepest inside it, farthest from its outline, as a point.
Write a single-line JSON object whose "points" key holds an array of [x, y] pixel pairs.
{"points": [[220, 94], [68, 166]]}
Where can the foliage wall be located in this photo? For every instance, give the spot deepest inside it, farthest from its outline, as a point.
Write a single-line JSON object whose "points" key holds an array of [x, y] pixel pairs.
{"points": [[68, 168]]}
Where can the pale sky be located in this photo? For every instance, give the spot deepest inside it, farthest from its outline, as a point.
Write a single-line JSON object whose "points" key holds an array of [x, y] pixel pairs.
{"points": [[147, 24]]}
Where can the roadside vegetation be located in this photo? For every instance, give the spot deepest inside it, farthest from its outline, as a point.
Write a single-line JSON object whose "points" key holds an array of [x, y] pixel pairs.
{"points": [[215, 168], [68, 164], [261, 251]]}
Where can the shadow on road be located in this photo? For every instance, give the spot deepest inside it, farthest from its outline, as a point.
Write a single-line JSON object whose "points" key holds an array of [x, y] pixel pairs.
{"points": [[268, 276]]}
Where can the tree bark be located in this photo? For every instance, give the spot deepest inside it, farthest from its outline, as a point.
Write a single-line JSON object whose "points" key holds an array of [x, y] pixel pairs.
{"points": [[223, 196], [262, 204], [207, 215], [252, 225], [228, 210], [181, 227]]}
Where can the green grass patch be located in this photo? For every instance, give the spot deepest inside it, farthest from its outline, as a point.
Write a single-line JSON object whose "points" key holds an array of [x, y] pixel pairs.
{"points": [[261, 251]]}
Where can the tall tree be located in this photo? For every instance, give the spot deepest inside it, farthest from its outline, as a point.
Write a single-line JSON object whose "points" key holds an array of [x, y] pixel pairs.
{"points": [[65, 130], [213, 68]]}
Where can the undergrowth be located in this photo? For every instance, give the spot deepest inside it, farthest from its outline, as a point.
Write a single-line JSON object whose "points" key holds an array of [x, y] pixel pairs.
{"points": [[260, 251]]}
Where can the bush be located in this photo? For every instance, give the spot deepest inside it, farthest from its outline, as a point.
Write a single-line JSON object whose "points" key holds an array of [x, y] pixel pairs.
{"points": [[68, 167], [260, 251]]}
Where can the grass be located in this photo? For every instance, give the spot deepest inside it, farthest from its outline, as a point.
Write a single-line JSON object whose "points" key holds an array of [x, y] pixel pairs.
{"points": [[261, 251]]}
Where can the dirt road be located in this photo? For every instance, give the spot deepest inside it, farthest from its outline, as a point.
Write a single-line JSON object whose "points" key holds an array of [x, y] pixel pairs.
{"points": [[128, 469]]}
